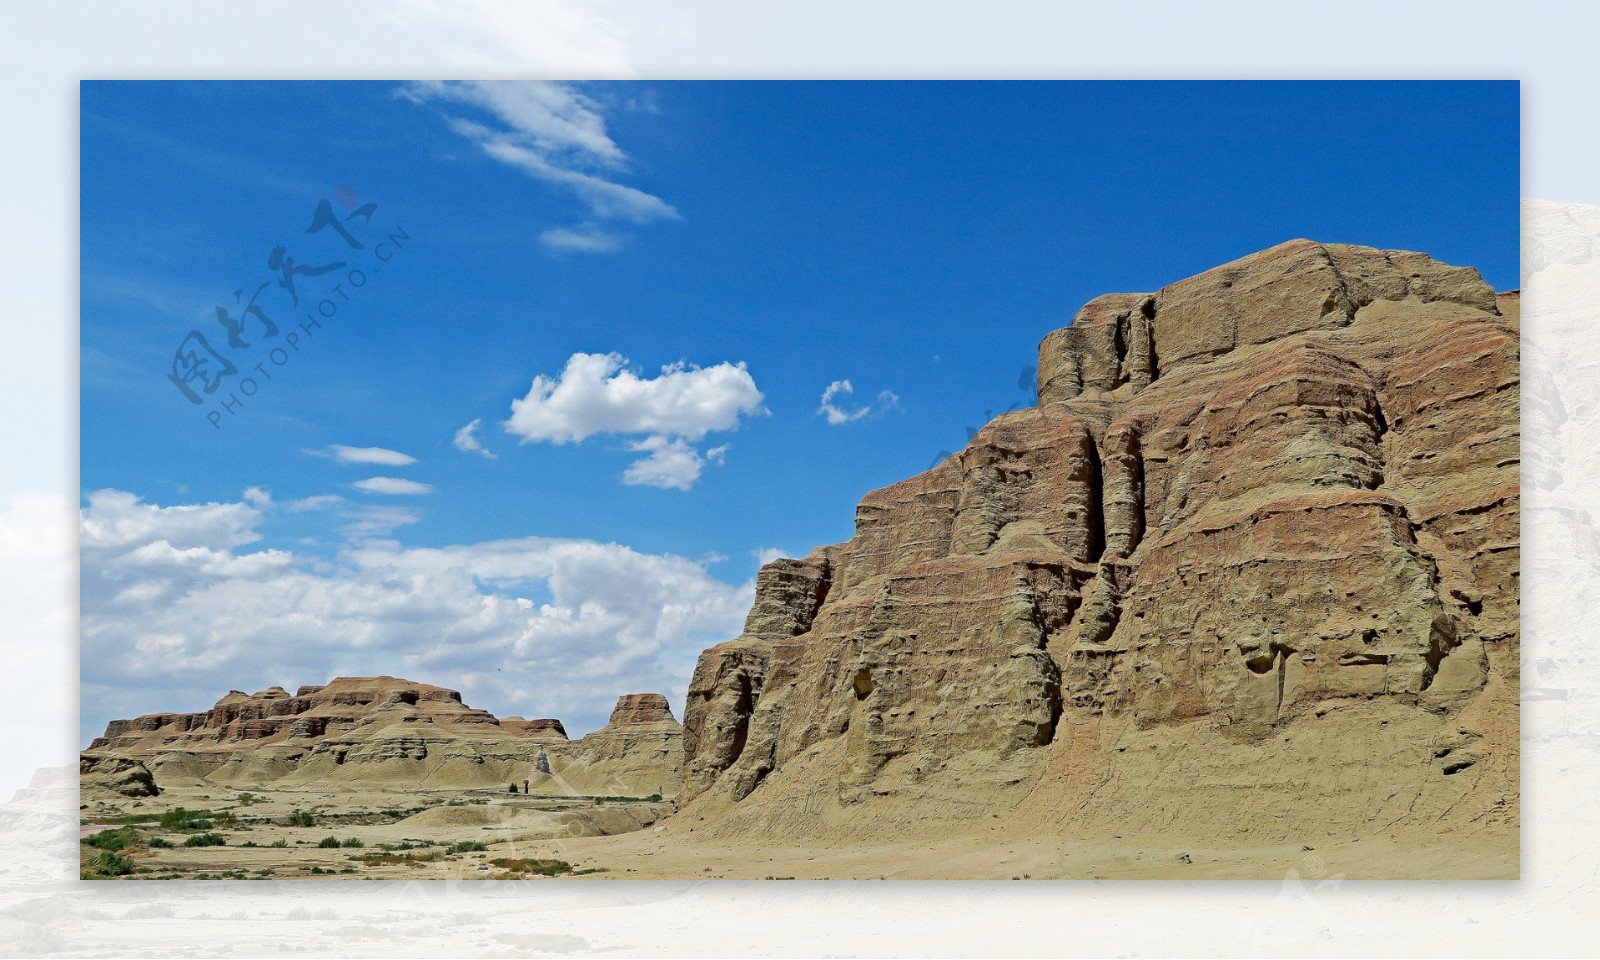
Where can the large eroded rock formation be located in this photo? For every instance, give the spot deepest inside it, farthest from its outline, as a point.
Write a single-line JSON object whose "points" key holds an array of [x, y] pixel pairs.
{"points": [[638, 752], [386, 732], [1273, 503]]}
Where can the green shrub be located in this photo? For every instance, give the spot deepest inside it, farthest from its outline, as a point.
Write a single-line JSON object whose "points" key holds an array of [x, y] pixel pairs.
{"points": [[466, 846], [205, 840], [249, 843], [112, 840], [328, 843], [302, 818], [519, 866], [512, 788], [279, 843], [352, 842], [109, 864], [159, 842], [180, 819]]}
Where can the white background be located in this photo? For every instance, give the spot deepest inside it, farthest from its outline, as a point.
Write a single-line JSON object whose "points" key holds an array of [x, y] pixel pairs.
{"points": [[48, 47]]}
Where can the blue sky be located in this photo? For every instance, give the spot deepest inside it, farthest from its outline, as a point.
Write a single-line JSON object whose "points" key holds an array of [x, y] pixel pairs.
{"points": [[763, 241]]}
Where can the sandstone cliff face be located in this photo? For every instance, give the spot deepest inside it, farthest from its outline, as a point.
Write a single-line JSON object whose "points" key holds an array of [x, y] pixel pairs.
{"points": [[729, 677], [637, 753], [1278, 495], [382, 731]]}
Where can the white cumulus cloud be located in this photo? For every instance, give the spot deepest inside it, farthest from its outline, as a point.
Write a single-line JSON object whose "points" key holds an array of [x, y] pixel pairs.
{"points": [[178, 608], [672, 464], [765, 555], [597, 394]]}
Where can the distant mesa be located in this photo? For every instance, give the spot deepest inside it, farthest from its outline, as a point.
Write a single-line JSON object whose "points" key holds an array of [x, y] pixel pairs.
{"points": [[383, 731], [639, 709], [538, 729]]}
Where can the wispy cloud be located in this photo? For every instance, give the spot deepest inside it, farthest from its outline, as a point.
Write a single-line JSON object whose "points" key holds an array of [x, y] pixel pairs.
{"points": [[241, 169], [378, 455], [582, 240], [838, 414], [368, 522], [466, 440], [392, 485], [321, 501], [552, 132]]}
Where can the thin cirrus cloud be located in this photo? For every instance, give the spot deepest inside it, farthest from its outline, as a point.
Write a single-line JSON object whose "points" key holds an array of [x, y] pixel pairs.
{"points": [[466, 440], [835, 408], [367, 522], [182, 602], [587, 239], [597, 394], [380, 456], [320, 501], [557, 134], [394, 486]]}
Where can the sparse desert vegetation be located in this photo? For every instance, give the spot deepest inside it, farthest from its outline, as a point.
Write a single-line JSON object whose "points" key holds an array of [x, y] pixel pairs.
{"points": [[286, 835]]}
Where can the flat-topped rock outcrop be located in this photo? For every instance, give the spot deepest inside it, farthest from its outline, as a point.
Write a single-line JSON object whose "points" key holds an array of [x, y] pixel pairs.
{"points": [[378, 731], [313, 712], [547, 729]]}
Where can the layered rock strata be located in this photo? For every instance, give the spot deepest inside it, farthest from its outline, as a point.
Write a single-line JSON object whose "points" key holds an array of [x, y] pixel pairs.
{"points": [[384, 731], [1279, 494], [638, 752]]}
